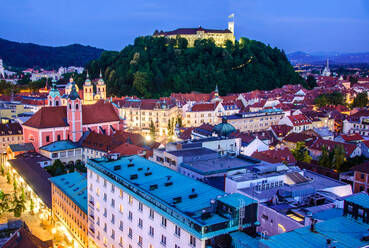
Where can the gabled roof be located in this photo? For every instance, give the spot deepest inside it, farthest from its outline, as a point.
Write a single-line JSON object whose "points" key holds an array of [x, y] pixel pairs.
{"points": [[10, 129], [26, 147], [352, 137], [330, 144], [275, 156], [281, 130], [23, 238], [99, 112], [56, 116], [299, 120], [204, 107], [184, 31], [47, 117]]}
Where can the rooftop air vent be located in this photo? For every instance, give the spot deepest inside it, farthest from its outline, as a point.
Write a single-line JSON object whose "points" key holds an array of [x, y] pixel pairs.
{"points": [[153, 186], [148, 172], [168, 184], [139, 169], [177, 200], [193, 195], [130, 163], [133, 176], [117, 167]]}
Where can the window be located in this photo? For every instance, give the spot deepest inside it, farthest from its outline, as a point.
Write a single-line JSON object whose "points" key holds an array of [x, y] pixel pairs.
{"points": [[121, 241], [140, 206], [163, 240], [105, 197], [130, 215], [362, 176], [112, 218], [176, 246], [130, 200], [121, 208], [140, 241], [113, 203], [47, 138], [121, 193], [121, 225], [105, 227], [105, 212], [163, 222], [151, 231], [59, 138], [130, 233], [140, 223], [77, 106], [178, 231], [104, 183], [192, 241], [112, 188], [112, 234], [151, 214]]}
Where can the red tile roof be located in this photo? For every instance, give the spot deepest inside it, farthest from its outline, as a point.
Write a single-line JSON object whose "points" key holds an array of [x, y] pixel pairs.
{"points": [[99, 112], [204, 107], [318, 145], [275, 156], [352, 137], [281, 130], [128, 150], [11, 129], [48, 117], [299, 120], [364, 167], [56, 116]]}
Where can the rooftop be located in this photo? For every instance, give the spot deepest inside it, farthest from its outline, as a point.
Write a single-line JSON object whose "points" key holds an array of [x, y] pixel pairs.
{"points": [[74, 185], [342, 232], [218, 165], [179, 197], [361, 199], [60, 146]]}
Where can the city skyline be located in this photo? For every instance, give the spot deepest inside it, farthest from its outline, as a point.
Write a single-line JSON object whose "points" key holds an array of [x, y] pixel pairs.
{"points": [[329, 26]]}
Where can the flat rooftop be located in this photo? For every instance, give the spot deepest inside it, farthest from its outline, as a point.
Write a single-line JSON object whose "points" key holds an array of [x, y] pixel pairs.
{"points": [[217, 165], [60, 146], [317, 183], [74, 185], [160, 186], [192, 152]]}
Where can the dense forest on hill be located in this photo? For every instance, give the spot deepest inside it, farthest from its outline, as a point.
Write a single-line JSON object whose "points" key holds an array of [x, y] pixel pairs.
{"points": [[154, 67], [25, 55]]}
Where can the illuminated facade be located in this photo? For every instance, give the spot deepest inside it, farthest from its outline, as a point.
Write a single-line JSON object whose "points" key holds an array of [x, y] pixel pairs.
{"points": [[219, 36], [69, 205]]}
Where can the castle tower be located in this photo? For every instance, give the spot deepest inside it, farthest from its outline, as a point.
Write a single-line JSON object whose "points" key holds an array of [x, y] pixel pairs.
{"points": [[88, 91], [74, 115], [101, 88], [54, 98], [231, 23]]}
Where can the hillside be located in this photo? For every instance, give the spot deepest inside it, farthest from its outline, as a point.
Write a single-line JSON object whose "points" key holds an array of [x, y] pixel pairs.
{"points": [[154, 67], [24, 55], [334, 58]]}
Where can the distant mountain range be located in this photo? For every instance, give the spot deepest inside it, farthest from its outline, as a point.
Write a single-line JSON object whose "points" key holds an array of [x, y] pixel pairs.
{"points": [[334, 58], [24, 55]]}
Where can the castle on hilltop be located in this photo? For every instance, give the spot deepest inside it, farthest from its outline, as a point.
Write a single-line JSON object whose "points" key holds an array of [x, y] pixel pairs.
{"points": [[220, 36]]}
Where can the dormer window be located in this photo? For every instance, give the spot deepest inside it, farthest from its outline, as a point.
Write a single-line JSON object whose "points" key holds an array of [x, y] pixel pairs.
{"points": [[70, 106], [77, 106]]}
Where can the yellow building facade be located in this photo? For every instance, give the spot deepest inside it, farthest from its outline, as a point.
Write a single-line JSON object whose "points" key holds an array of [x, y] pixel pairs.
{"points": [[219, 36]]}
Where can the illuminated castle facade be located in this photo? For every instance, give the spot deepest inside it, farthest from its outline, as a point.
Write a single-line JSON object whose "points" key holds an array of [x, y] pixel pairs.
{"points": [[220, 36]]}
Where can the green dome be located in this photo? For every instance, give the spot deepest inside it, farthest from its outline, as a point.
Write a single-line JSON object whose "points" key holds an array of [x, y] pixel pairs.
{"points": [[224, 128]]}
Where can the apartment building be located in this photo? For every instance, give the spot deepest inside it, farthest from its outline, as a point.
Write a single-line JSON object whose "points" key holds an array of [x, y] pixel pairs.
{"points": [[255, 121], [134, 202], [10, 133], [69, 205], [138, 114]]}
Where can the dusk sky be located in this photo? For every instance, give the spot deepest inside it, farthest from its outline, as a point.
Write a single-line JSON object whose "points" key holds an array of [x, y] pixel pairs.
{"points": [[310, 25]]}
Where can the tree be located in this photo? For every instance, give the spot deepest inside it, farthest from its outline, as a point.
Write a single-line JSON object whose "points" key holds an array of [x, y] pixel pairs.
{"points": [[15, 184], [152, 130], [4, 202], [324, 159], [361, 100], [311, 82], [141, 82], [321, 101], [179, 121], [301, 153], [19, 206], [31, 205], [8, 180], [338, 157], [56, 169]]}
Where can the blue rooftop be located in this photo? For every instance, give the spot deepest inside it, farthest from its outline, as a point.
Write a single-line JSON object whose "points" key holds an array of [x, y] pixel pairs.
{"points": [[361, 199], [74, 185], [343, 232], [60, 146], [166, 189]]}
